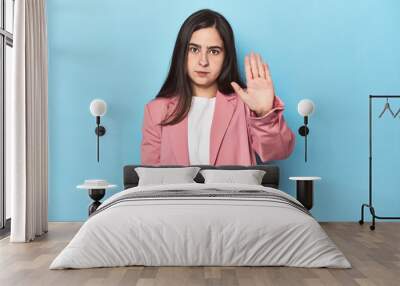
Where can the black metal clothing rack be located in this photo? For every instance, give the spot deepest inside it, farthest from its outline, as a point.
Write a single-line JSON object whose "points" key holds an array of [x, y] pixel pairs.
{"points": [[369, 205]]}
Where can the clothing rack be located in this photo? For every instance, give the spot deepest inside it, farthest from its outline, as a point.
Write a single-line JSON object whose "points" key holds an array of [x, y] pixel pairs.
{"points": [[370, 205]]}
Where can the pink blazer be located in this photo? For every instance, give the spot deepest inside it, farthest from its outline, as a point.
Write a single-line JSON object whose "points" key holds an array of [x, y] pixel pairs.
{"points": [[236, 134]]}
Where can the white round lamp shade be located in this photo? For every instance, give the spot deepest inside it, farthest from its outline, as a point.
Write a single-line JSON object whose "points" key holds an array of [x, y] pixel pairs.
{"points": [[98, 107], [305, 107]]}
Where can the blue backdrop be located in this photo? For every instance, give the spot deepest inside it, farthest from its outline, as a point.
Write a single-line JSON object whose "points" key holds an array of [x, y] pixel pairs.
{"points": [[334, 52]]}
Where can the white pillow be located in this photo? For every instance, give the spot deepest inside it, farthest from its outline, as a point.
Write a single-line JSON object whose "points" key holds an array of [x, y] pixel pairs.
{"points": [[249, 177], [163, 176]]}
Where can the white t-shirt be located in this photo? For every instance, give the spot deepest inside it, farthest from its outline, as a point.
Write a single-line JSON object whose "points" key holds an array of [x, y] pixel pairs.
{"points": [[199, 127]]}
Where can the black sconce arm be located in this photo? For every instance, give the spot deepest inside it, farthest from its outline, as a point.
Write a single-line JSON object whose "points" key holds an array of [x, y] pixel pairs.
{"points": [[100, 131], [303, 131]]}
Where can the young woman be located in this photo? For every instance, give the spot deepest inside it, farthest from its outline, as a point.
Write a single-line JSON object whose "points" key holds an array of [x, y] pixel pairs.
{"points": [[203, 113]]}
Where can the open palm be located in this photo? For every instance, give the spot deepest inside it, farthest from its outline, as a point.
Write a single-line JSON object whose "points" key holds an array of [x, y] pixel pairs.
{"points": [[259, 95]]}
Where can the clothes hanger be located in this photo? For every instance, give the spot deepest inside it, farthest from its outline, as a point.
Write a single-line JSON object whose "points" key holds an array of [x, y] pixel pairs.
{"points": [[387, 107], [398, 111]]}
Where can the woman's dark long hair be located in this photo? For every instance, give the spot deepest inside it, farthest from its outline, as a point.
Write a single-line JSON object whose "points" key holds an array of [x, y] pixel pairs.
{"points": [[178, 82]]}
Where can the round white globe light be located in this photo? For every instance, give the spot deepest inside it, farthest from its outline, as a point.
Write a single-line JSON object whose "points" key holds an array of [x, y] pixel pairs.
{"points": [[305, 107], [98, 107]]}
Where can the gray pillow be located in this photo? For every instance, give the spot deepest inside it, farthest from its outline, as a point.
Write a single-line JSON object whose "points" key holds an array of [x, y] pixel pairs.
{"points": [[162, 176], [249, 177]]}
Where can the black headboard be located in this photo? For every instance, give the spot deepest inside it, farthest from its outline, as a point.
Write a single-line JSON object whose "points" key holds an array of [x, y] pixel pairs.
{"points": [[270, 179]]}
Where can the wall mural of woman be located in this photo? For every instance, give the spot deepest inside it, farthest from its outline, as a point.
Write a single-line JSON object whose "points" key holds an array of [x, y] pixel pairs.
{"points": [[204, 113]]}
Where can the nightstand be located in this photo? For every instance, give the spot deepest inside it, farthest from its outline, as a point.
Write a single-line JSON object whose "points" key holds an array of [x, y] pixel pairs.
{"points": [[304, 190], [96, 190]]}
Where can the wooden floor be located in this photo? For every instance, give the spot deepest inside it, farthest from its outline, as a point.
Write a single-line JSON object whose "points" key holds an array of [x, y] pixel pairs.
{"points": [[374, 255]]}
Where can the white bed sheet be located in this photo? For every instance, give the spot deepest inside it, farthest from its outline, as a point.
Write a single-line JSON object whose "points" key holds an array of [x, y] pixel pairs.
{"points": [[200, 231]]}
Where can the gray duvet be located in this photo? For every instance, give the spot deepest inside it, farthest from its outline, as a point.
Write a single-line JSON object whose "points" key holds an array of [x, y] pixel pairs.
{"points": [[201, 224]]}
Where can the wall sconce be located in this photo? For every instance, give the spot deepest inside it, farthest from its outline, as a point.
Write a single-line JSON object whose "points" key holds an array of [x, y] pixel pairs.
{"points": [[98, 108], [305, 108]]}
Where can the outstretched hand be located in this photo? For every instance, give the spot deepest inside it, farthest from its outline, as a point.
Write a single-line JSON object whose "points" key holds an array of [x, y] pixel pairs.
{"points": [[259, 95]]}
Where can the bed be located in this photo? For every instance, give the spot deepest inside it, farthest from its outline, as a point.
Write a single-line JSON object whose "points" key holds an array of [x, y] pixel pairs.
{"points": [[201, 224]]}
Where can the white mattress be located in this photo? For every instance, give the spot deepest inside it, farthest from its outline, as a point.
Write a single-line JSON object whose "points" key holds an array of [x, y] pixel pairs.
{"points": [[200, 231]]}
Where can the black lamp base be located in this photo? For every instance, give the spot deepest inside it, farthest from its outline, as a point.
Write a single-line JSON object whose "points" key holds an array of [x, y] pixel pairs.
{"points": [[100, 130], [303, 130]]}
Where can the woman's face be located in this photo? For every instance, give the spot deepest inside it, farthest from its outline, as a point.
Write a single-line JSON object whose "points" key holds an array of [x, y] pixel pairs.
{"points": [[205, 57]]}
